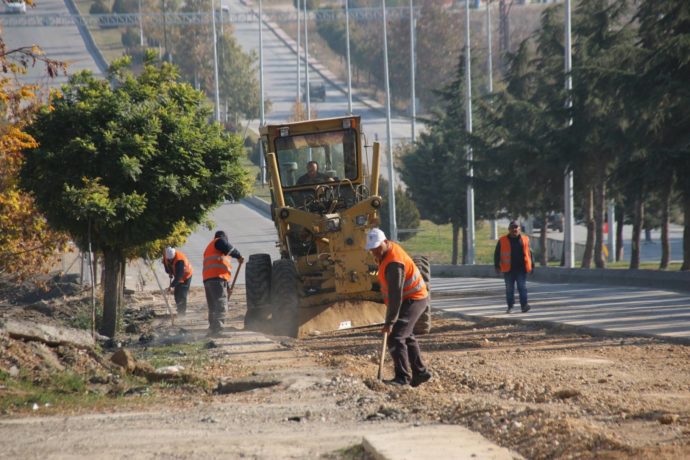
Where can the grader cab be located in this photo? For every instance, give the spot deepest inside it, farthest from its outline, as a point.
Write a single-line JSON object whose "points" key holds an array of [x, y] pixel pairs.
{"points": [[324, 279]]}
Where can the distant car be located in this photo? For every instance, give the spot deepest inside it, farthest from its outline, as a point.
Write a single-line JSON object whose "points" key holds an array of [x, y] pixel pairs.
{"points": [[554, 221], [317, 91], [15, 7]]}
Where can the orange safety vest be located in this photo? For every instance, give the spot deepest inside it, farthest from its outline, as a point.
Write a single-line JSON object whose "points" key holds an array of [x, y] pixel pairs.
{"points": [[171, 265], [216, 264], [414, 287], [505, 253]]}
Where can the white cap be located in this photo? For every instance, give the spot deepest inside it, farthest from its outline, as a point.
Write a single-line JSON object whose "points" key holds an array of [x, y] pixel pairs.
{"points": [[374, 239], [169, 253]]}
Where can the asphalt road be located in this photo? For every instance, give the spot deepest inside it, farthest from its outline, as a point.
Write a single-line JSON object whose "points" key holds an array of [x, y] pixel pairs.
{"points": [[62, 43]]}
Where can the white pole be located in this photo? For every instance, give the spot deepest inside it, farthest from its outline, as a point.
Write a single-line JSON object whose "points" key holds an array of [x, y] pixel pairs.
{"points": [[299, 65], [349, 67], [141, 27], [215, 60], [468, 123], [262, 119], [490, 71], [413, 104], [306, 61], [391, 177], [568, 179]]}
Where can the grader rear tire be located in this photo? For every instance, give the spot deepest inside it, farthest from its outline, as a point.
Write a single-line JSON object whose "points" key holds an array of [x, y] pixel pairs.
{"points": [[423, 325], [258, 287], [285, 298]]}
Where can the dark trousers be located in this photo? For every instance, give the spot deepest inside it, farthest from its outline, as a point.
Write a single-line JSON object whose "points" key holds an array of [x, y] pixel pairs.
{"points": [[402, 343], [511, 279], [181, 290], [217, 301]]}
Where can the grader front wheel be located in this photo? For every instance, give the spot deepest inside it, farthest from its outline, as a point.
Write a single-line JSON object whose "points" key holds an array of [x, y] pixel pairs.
{"points": [[258, 286], [285, 298]]}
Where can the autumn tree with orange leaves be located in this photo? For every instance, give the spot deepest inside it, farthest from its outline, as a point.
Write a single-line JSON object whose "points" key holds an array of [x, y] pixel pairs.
{"points": [[27, 245]]}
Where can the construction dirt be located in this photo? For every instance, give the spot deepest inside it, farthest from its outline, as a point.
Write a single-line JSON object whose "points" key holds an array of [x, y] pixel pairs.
{"points": [[543, 393]]}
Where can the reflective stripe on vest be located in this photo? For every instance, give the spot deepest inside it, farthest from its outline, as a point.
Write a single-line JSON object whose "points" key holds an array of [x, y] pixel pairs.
{"points": [[506, 253], [187, 266], [414, 287], [216, 265]]}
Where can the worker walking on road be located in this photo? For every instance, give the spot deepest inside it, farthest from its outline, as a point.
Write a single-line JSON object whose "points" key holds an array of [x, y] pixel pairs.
{"points": [[406, 297], [515, 260], [179, 271], [216, 275]]}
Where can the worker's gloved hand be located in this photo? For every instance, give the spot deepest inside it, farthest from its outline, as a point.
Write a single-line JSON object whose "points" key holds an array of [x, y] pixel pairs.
{"points": [[241, 259], [386, 329]]}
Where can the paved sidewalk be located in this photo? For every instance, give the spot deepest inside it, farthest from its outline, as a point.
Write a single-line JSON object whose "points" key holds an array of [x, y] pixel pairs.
{"points": [[594, 308]]}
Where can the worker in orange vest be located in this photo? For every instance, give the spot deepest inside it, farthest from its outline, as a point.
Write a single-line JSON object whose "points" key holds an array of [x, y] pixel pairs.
{"points": [[406, 297], [179, 271], [216, 274], [514, 259]]}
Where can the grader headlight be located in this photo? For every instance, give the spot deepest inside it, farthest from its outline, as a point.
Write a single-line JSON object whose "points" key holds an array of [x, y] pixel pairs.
{"points": [[331, 225]]}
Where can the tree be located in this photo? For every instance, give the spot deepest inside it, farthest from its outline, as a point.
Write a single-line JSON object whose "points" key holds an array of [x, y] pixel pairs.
{"points": [[143, 158], [406, 213], [238, 81], [27, 244]]}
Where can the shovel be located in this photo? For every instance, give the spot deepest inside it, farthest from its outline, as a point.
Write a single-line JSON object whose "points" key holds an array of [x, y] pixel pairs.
{"points": [[383, 355], [234, 280]]}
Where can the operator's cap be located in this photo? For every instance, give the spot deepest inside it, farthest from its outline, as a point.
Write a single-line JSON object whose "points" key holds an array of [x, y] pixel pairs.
{"points": [[169, 253], [374, 239]]}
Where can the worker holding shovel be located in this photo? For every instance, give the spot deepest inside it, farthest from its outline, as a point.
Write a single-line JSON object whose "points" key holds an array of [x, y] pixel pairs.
{"points": [[217, 275], [406, 297]]}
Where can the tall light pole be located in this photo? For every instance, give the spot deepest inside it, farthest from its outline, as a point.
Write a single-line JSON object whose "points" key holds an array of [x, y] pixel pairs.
{"points": [[569, 253], [262, 119], [413, 102], [141, 27], [490, 71], [347, 48], [299, 67], [391, 179], [306, 61], [215, 59], [468, 127]]}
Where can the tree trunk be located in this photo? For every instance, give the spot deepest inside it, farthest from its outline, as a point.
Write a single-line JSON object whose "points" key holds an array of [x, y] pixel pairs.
{"points": [[456, 232], [686, 233], [599, 205], [638, 218], [665, 218], [620, 221], [589, 244], [113, 289]]}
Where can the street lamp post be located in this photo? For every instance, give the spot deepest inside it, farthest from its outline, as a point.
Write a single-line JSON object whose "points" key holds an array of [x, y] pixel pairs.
{"points": [[468, 126], [215, 59], [307, 96], [347, 48], [299, 66], [569, 244], [490, 71], [262, 120], [413, 102], [389, 134]]}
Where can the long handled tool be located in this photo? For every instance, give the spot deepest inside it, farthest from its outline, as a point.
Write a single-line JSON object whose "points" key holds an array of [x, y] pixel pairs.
{"points": [[383, 355], [234, 280], [163, 291]]}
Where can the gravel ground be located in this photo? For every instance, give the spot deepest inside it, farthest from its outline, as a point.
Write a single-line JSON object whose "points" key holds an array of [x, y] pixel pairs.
{"points": [[543, 393]]}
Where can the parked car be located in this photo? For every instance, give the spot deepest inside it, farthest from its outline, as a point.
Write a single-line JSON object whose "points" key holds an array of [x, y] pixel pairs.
{"points": [[554, 221], [15, 7], [317, 91]]}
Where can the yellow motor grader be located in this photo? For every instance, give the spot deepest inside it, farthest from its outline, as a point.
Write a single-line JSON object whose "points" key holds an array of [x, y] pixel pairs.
{"points": [[322, 206]]}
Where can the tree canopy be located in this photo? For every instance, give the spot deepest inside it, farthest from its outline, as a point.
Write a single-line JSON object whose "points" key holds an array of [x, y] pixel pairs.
{"points": [[125, 161]]}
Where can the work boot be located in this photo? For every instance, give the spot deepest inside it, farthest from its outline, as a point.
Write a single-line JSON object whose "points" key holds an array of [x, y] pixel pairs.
{"points": [[398, 382], [418, 379], [510, 309], [525, 308]]}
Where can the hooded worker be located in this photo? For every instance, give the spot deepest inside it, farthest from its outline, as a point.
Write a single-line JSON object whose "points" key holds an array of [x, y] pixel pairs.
{"points": [[179, 271], [406, 297], [217, 274]]}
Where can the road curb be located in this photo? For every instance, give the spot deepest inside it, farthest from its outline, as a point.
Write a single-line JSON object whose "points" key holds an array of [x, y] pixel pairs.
{"points": [[434, 441]]}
